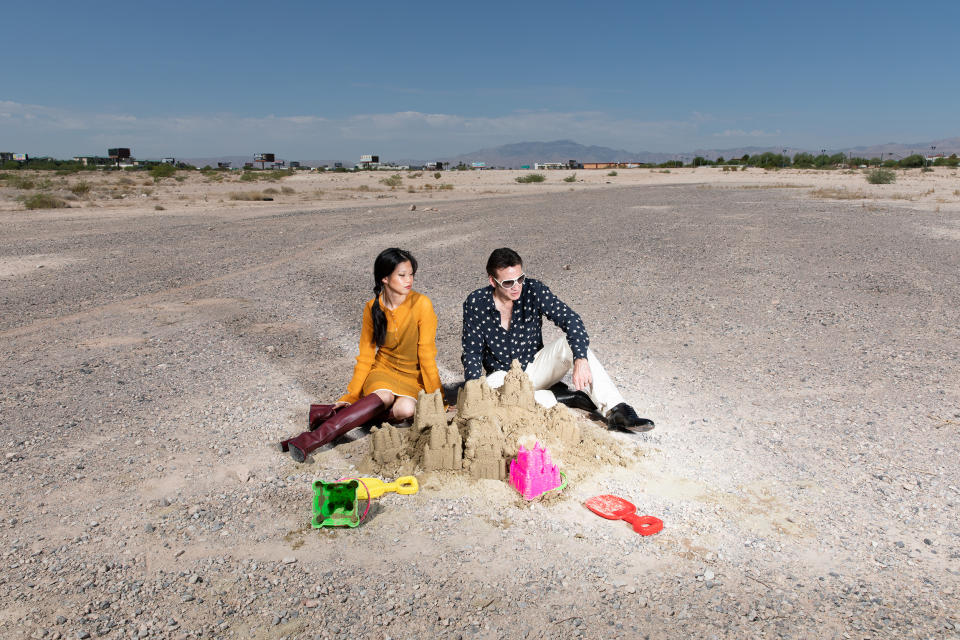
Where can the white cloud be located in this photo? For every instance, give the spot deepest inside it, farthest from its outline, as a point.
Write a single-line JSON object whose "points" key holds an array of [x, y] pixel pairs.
{"points": [[60, 132], [740, 133]]}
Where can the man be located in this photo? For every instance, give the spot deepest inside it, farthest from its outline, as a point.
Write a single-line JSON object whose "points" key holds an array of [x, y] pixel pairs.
{"points": [[504, 321]]}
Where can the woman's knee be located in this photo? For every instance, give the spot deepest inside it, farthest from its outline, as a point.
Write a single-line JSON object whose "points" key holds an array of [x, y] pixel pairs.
{"points": [[404, 408], [386, 397]]}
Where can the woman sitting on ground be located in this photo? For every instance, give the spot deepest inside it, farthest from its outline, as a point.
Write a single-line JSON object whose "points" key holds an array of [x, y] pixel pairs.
{"points": [[398, 357]]}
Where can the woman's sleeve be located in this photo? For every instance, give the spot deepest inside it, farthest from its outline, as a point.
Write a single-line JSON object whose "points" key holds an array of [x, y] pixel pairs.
{"points": [[427, 345], [368, 351]]}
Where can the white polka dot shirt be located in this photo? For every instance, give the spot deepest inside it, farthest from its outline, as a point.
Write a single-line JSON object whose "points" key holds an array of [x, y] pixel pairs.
{"points": [[487, 346]]}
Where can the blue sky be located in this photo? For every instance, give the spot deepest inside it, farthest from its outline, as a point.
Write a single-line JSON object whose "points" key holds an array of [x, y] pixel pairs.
{"points": [[324, 80]]}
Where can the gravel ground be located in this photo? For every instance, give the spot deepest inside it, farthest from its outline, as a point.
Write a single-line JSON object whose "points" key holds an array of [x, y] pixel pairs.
{"points": [[799, 356]]}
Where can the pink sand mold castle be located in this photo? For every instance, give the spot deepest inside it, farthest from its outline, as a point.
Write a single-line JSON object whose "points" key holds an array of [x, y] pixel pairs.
{"points": [[533, 473]]}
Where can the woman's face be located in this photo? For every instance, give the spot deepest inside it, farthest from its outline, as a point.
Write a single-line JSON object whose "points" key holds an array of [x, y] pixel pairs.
{"points": [[400, 281]]}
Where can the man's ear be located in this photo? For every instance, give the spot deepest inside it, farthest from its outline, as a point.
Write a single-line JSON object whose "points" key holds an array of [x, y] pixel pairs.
{"points": [[493, 283]]}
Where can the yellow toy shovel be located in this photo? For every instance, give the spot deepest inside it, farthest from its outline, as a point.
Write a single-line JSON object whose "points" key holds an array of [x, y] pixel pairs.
{"points": [[407, 485]]}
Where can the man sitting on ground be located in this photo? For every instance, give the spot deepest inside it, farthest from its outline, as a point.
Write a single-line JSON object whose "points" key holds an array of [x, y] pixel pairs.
{"points": [[503, 322]]}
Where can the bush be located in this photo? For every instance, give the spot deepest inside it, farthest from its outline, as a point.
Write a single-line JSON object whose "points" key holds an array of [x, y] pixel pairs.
{"points": [[246, 195], [44, 201], [393, 181], [881, 176], [437, 175], [22, 182], [161, 171], [571, 178], [82, 188], [445, 187], [926, 169], [159, 207], [531, 177], [271, 191], [612, 173], [288, 190]]}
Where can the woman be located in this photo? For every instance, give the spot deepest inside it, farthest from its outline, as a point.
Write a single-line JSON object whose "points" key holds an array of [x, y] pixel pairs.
{"points": [[398, 357]]}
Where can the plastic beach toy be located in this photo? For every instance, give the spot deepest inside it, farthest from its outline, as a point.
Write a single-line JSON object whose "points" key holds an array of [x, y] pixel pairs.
{"points": [[335, 504], [374, 487], [616, 508], [533, 473]]}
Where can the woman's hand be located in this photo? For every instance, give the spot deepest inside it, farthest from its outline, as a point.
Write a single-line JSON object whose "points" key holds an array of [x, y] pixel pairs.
{"points": [[340, 404]]}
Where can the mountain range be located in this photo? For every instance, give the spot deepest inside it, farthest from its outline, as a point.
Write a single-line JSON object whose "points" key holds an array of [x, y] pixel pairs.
{"points": [[518, 154]]}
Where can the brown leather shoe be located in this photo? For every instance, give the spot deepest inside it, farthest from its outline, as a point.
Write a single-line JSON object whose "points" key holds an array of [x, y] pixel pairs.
{"points": [[360, 412]]}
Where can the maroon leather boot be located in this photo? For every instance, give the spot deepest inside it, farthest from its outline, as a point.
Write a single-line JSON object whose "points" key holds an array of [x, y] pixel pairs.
{"points": [[360, 412], [319, 413]]}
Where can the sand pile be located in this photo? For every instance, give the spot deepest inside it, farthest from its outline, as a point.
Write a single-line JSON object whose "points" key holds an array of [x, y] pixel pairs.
{"points": [[485, 433]]}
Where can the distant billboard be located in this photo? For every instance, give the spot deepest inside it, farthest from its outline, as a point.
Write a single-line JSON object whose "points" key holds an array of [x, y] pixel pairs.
{"points": [[119, 152], [370, 158], [478, 165], [264, 157], [20, 157]]}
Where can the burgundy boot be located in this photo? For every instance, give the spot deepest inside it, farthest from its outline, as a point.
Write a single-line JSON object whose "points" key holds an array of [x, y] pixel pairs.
{"points": [[360, 412], [319, 413]]}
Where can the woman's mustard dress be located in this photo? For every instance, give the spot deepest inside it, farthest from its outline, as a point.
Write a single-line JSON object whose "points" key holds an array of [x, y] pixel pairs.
{"points": [[407, 361]]}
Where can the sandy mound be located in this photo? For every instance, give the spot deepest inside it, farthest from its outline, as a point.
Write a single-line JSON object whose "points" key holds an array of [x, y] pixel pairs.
{"points": [[485, 433]]}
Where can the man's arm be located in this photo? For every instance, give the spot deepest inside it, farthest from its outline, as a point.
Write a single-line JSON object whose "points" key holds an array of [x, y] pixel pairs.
{"points": [[567, 319], [471, 341]]}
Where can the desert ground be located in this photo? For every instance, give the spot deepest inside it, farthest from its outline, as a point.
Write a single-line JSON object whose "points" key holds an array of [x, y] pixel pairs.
{"points": [[794, 334]]}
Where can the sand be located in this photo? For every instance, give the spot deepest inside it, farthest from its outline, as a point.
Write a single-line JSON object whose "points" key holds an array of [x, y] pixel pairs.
{"points": [[484, 435], [799, 354], [193, 193]]}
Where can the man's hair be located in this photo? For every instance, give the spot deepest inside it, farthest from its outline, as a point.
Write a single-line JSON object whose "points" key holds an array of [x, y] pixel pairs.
{"points": [[501, 259]]}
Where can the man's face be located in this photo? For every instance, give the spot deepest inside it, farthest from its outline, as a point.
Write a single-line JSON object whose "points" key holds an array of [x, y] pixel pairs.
{"points": [[508, 275]]}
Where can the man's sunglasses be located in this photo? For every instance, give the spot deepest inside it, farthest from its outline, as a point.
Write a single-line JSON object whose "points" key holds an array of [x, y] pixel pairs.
{"points": [[509, 284]]}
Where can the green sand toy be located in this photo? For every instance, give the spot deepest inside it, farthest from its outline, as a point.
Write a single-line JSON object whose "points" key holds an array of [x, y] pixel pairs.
{"points": [[335, 504]]}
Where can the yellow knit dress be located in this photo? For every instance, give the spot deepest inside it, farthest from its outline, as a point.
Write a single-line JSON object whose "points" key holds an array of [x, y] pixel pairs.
{"points": [[407, 361]]}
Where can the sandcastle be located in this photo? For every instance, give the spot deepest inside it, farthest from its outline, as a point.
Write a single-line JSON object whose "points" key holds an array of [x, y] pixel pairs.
{"points": [[482, 437]]}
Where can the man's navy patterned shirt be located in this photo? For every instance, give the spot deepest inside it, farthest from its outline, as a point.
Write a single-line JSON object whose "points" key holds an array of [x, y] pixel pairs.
{"points": [[487, 346]]}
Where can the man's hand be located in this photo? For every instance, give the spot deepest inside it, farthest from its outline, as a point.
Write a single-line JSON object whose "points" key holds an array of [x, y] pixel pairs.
{"points": [[581, 374]]}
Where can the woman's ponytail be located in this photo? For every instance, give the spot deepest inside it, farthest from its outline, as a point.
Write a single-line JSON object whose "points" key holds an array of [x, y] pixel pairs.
{"points": [[378, 316]]}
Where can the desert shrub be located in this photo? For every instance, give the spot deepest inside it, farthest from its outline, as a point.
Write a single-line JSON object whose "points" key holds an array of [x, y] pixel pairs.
{"points": [[125, 181], [246, 195], [415, 175], [445, 187], [393, 181], [612, 173], [159, 207], [926, 169], [81, 188], [249, 176], [364, 187], [571, 178], [288, 190], [881, 176], [161, 171], [271, 191], [428, 187], [180, 178], [411, 189], [22, 182], [531, 177], [44, 201], [437, 175]]}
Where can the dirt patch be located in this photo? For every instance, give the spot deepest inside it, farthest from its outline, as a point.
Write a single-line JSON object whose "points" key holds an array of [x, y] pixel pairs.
{"points": [[36, 264]]}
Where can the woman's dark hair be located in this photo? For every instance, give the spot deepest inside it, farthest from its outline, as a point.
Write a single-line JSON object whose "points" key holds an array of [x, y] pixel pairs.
{"points": [[383, 266], [501, 259]]}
